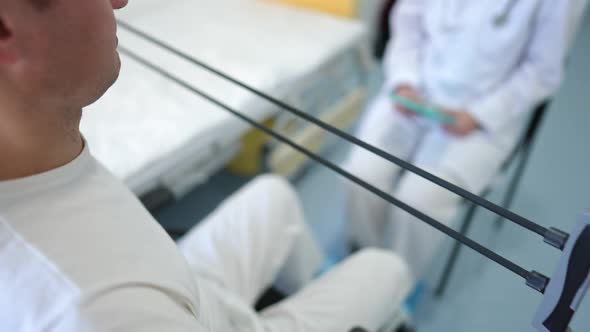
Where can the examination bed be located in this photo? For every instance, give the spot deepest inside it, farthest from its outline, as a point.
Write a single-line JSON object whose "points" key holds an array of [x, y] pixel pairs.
{"points": [[154, 135]]}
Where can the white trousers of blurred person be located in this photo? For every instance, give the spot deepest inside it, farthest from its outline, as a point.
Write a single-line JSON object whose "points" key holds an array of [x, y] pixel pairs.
{"points": [[258, 236], [470, 162]]}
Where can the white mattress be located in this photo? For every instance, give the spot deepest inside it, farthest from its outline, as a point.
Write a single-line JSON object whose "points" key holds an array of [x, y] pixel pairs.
{"points": [[146, 127]]}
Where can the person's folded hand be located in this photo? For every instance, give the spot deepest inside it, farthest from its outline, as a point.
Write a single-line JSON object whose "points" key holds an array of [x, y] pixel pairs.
{"points": [[463, 124], [410, 93]]}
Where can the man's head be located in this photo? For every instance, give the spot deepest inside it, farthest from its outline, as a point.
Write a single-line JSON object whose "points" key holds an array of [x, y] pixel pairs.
{"points": [[57, 54]]}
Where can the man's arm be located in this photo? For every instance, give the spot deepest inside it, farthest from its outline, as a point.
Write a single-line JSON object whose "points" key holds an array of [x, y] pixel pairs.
{"points": [[135, 307], [540, 73]]}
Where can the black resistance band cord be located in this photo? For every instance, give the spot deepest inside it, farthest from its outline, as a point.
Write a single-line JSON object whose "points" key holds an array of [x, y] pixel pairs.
{"points": [[534, 279], [528, 224]]}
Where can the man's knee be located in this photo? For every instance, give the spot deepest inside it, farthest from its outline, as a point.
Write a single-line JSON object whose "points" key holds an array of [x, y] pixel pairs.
{"points": [[280, 198], [385, 263], [275, 185]]}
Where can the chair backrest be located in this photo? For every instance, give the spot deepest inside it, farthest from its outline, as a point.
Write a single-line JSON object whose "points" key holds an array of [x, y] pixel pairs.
{"points": [[529, 133], [535, 121], [383, 29]]}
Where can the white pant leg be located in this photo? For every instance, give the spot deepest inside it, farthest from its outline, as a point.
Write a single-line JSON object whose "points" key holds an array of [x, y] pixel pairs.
{"points": [[410, 237], [254, 236], [365, 290], [387, 129], [470, 162]]}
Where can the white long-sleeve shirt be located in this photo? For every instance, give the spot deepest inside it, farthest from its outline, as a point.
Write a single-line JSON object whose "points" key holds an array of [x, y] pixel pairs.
{"points": [[459, 57], [67, 263]]}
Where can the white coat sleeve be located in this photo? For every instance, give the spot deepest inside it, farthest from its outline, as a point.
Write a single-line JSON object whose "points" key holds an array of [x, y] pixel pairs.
{"points": [[540, 73], [404, 51]]}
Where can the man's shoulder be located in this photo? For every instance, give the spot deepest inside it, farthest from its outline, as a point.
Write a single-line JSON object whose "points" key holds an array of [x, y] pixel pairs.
{"points": [[33, 290]]}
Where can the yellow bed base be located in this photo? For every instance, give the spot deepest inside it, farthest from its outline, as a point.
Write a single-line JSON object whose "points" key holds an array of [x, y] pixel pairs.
{"points": [[346, 8]]}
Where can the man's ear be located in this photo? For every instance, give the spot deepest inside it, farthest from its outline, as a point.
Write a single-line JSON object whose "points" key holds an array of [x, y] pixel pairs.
{"points": [[7, 43]]}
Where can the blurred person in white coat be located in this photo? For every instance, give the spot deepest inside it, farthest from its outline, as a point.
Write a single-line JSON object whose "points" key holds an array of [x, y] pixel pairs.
{"points": [[487, 64], [78, 252]]}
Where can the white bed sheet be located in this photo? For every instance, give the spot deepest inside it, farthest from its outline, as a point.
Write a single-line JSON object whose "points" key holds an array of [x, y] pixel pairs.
{"points": [[146, 127]]}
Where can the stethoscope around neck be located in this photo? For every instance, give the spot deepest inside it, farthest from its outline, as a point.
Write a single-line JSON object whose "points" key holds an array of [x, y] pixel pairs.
{"points": [[499, 20], [502, 18]]}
